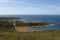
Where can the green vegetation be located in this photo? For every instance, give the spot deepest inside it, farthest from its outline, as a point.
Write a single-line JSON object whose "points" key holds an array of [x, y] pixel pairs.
{"points": [[7, 32], [6, 24], [43, 35]]}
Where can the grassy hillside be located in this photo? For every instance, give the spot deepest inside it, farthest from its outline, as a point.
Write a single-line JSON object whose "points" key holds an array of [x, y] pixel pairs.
{"points": [[42, 35]]}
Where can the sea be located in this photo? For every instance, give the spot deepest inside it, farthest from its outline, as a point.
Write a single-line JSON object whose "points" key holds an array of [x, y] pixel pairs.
{"points": [[52, 19]]}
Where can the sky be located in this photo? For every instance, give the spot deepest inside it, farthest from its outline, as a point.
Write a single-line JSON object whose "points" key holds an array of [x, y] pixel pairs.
{"points": [[29, 7]]}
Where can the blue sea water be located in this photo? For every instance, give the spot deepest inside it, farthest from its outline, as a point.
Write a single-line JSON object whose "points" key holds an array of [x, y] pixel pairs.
{"points": [[52, 19]]}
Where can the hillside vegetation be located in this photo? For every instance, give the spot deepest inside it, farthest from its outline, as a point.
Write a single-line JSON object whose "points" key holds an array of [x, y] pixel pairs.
{"points": [[42, 35], [7, 32]]}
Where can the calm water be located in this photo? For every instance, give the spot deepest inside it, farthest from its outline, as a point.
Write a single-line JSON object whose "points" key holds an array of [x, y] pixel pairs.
{"points": [[54, 19]]}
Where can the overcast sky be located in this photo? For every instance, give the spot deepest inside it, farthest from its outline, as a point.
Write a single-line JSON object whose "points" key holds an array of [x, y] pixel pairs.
{"points": [[32, 7]]}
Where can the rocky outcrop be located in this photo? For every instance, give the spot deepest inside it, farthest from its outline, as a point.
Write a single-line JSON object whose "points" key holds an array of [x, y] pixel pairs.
{"points": [[33, 24]]}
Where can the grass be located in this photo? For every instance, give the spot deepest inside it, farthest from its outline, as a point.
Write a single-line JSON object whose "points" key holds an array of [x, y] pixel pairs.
{"points": [[42, 35]]}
